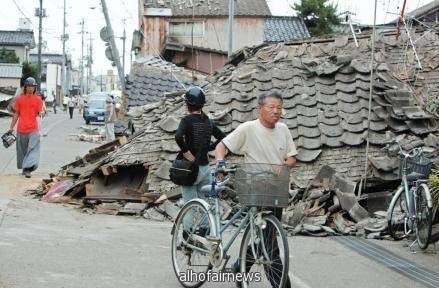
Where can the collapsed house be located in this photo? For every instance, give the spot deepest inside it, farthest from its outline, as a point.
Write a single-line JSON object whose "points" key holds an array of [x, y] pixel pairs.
{"points": [[326, 86]]}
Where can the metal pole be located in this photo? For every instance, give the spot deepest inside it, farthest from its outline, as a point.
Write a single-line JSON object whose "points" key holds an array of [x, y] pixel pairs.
{"points": [[63, 68], [230, 28], [40, 43], [370, 101], [123, 49], [82, 57], [90, 66], [114, 51]]}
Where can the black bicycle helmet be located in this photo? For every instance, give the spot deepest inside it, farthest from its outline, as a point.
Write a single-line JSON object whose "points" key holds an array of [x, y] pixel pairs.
{"points": [[30, 81], [195, 96]]}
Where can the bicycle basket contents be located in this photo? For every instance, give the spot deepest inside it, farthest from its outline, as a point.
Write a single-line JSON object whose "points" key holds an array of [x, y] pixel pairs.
{"points": [[183, 172], [262, 185]]}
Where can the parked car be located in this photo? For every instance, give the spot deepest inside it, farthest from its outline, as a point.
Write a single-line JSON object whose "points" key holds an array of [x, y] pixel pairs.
{"points": [[94, 109]]}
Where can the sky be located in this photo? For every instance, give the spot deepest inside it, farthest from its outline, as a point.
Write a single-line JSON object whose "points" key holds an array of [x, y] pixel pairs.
{"points": [[119, 10]]}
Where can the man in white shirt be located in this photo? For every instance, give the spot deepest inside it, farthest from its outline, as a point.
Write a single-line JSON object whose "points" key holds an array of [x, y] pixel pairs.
{"points": [[264, 140]]}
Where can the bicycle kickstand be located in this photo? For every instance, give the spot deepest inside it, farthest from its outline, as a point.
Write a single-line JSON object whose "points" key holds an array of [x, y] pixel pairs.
{"points": [[411, 248]]}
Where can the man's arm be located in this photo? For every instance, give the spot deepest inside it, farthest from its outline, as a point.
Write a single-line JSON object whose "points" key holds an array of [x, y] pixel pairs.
{"points": [[220, 151], [14, 121], [290, 162]]}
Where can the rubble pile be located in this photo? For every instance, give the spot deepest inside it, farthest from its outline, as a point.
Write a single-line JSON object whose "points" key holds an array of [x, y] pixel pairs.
{"points": [[329, 206]]}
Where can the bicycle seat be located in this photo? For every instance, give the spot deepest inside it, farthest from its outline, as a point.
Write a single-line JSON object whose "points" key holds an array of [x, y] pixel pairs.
{"points": [[415, 176]]}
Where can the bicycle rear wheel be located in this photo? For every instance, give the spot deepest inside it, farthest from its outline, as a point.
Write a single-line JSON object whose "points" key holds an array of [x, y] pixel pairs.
{"points": [[190, 257], [423, 216], [270, 268], [398, 218]]}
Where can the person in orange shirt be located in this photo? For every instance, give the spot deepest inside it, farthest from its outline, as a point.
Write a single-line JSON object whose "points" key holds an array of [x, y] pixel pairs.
{"points": [[27, 108]]}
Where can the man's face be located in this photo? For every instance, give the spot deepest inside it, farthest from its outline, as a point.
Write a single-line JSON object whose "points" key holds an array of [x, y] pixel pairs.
{"points": [[29, 89], [271, 110]]}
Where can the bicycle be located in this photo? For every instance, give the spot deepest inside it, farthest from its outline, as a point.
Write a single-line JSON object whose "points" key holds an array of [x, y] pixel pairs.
{"points": [[197, 233], [410, 210]]}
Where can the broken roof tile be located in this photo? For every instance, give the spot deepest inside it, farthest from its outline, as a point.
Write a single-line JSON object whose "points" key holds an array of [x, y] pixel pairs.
{"points": [[326, 99], [328, 121], [418, 127], [345, 87], [279, 84], [359, 127], [361, 66], [244, 116], [397, 125], [381, 112], [307, 121], [283, 74], [348, 107], [325, 89], [306, 100], [353, 139], [262, 76], [264, 86], [308, 132], [169, 124], [414, 112], [331, 130], [242, 87], [309, 143], [307, 111], [331, 141], [305, 155], [377, 125], [291, 123], [345, 78], [347, 97]]}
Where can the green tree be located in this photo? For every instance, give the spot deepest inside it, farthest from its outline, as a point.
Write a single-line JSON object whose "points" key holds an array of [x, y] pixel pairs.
{"points": [[319, 16], [29, 70], [8, 56]]}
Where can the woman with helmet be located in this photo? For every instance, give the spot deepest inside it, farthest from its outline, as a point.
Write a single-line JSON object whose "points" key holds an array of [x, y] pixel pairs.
{"points": [[193, 136], [27, 108]]}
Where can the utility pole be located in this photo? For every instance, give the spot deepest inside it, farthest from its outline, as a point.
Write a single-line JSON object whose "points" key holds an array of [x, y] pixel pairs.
{"points": [[124, 37], [89, 63], [63, 68], [114, 51], [40, 13], [82, 56], [230, 28]]}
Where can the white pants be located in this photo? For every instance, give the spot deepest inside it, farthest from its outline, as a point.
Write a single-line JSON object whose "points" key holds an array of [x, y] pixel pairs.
{"points": [[109, 131]]}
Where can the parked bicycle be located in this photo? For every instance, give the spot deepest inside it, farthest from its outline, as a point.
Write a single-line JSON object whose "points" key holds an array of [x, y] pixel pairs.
{"points": [[410, 211], [197, 235]]}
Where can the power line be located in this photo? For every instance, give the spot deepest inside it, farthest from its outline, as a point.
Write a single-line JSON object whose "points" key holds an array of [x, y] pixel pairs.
{"points": [[21, 11]]}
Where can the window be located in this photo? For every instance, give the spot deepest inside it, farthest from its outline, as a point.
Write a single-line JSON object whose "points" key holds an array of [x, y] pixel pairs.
{"points": [[184, 29]]}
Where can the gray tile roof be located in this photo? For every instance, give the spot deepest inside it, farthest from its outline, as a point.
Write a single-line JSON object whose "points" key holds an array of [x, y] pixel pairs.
{"points": [[51, 58], [19, 38], [151, 78], [325, 86], [215, 7], [10, 70], [279, 29]]}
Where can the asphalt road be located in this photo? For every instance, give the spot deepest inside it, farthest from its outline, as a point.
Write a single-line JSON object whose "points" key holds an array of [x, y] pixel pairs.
{"points": [[53, 245]]}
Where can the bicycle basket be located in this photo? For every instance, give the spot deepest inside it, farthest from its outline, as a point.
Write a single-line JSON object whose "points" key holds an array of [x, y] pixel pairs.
{"points": [[419, 164], [262, 185]]}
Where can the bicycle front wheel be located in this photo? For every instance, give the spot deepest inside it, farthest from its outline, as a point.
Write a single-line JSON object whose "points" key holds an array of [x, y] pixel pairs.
{"points": [[423, 216], [266, 265], [397, 219], [190, 255]]}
